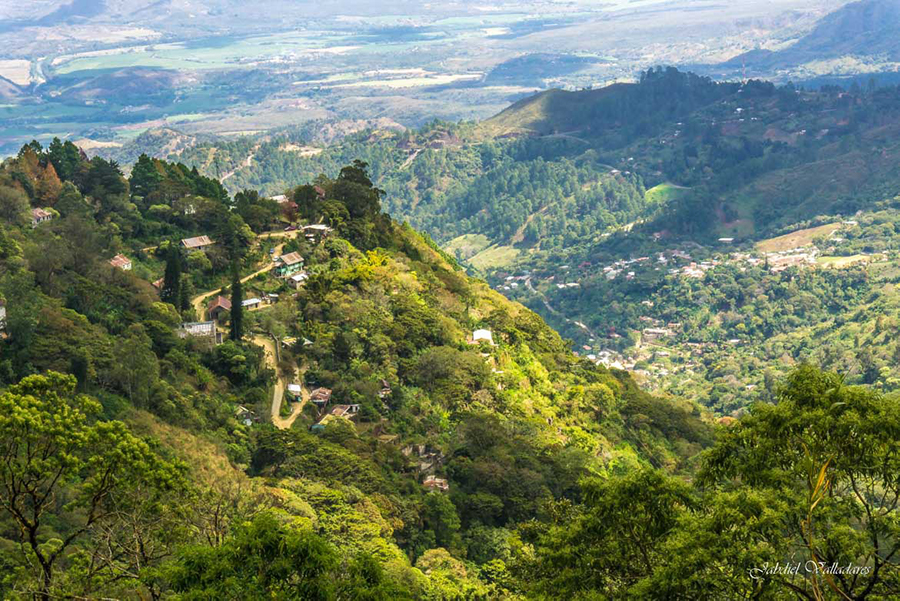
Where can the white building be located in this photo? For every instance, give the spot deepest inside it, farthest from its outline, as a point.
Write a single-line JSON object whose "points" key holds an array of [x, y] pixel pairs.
{"points": [[483, 336]]}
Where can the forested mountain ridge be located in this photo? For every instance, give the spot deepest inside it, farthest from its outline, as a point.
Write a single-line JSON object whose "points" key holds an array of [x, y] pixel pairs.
{"points": [[602, 210], [383, 321], [730, 143], [444, 443]]}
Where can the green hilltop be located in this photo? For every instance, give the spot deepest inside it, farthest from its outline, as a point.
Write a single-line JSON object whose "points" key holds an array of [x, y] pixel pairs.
{"points": [[210, 395]]}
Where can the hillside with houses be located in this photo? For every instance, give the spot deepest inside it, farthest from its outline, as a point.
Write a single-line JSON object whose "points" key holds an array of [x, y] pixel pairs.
{"points": [[306, 352], [214, 395]]}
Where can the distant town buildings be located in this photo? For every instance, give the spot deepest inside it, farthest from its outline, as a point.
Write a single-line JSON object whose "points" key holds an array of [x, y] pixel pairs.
{"points": [[793, 258], [654, 334]]}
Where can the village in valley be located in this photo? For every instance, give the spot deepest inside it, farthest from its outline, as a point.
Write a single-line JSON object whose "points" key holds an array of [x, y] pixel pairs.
{"points": [[662, 352]]}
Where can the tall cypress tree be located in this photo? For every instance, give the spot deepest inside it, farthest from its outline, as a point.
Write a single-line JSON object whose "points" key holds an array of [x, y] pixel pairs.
{"points": [[171, 288], [237, 309]]}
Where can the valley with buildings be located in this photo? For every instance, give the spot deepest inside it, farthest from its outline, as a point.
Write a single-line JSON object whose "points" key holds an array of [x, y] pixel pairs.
{"points": [[527, 300]]}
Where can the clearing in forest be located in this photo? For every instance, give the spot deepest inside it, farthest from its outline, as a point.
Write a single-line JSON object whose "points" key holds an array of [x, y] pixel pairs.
{"points": [[797, 239]]}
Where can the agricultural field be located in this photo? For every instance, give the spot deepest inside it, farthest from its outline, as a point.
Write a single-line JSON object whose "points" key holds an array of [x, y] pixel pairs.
{"points": [[803, 237], [230, 72], [494, 257]]}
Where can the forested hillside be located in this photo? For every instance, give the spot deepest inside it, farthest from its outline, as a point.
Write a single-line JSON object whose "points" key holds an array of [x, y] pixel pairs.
{"points": [[604, 210], [207, 396], [384, 322]]}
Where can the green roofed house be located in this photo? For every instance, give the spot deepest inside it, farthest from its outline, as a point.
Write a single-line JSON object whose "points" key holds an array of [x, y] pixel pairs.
{"points": [[290, 264]]}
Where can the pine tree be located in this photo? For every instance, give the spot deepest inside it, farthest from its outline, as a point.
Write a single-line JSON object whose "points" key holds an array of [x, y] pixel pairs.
{"points": [[145, 178], [237, 308], [171, 289], [48, 186]]}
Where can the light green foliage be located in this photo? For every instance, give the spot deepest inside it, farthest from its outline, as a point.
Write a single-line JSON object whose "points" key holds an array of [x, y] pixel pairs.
{"points": [[511, 427], [811, 479], [264, 559], [55, 449]]}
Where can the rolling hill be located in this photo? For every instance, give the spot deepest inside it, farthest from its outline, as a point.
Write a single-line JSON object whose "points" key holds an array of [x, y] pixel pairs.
{"points": [[593, 207], [859, 31]]}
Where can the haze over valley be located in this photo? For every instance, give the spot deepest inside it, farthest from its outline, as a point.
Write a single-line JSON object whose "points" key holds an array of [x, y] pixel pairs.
{"points": [[558, 300], [108, 70]]}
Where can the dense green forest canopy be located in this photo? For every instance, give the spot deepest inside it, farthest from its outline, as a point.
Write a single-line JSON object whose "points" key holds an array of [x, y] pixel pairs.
{"points": [[139, 461], [563, 187]]}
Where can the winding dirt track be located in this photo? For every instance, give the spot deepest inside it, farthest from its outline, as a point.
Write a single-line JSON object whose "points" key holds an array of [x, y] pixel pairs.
{"points": [[280, 385], [268, 344]]}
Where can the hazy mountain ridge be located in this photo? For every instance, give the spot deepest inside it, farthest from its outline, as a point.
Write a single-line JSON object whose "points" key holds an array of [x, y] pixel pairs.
{"points": [[864, 29]]}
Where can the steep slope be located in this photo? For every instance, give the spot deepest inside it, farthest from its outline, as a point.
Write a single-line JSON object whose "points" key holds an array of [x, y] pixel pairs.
{"points": [[442, 416], [864, 30], [603, 209]]}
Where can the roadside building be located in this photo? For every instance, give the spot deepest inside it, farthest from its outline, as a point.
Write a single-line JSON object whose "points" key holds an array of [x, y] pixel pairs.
{"points": [[197, 243], [218, 307], [295, 392], [316, 232], [252, 303], [289, 264]]}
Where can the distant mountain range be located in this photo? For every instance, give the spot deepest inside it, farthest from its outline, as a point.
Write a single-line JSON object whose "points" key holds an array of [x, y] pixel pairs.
{"points": [[860, 37]]}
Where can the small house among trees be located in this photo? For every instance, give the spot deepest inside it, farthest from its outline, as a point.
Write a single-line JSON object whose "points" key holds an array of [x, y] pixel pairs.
{"points": [[197, 243], [252, 303], [348, 411], [291, 263], [39, 216], [217, 307], [204, 331], [121, 262], [316, 231], [297, 280], [433, 483], [320, 397]]}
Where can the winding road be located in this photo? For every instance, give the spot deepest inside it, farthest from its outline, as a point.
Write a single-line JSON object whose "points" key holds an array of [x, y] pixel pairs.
{"points": [[282, 423], [268, 344], [550, 308]]}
